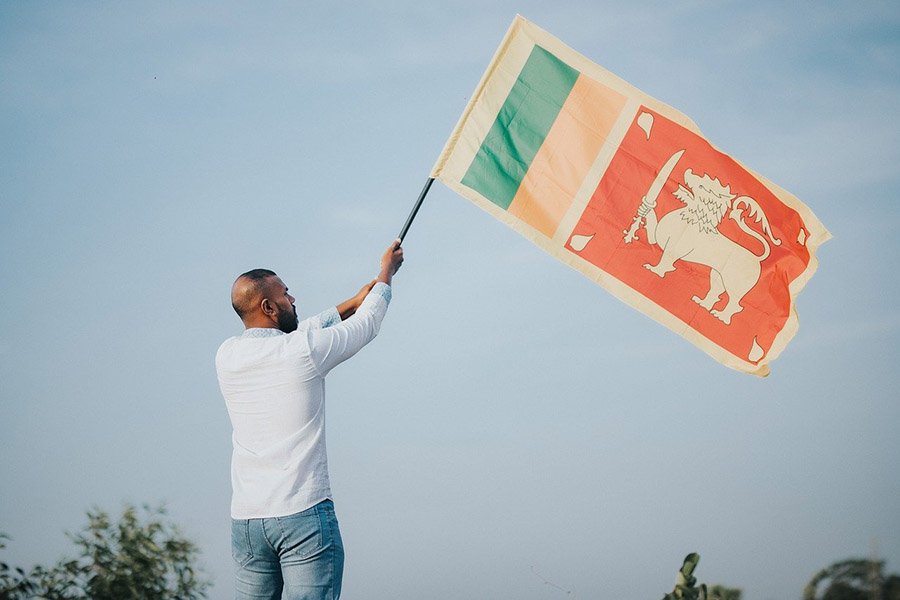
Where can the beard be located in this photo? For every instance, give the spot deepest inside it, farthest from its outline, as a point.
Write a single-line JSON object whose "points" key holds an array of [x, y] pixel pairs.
{"points": [[288, 320]]}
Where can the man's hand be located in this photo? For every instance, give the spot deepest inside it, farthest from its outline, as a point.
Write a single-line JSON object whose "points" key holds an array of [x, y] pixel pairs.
{"points": [[390, 262]]}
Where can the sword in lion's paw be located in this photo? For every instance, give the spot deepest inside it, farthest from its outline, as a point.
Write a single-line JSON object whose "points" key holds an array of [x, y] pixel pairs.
{"points": [[648, 202], [643, 209]]}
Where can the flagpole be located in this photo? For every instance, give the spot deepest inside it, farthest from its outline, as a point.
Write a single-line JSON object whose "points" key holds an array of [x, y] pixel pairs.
{"points": [[412, 215]]}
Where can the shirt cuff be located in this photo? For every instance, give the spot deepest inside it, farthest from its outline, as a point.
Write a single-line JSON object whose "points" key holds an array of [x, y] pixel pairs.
{"points": [[380, 290], [329, 317]]}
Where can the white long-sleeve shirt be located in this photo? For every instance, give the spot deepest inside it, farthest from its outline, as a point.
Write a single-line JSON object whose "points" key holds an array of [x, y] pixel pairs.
{"points": [[274, 388]]}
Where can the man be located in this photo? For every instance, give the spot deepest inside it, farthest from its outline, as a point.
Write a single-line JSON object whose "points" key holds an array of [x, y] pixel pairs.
{"points": [[285, 536]]}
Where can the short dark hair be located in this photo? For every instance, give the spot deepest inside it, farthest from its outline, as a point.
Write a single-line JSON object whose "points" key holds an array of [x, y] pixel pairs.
{"points": [[257, 276]]}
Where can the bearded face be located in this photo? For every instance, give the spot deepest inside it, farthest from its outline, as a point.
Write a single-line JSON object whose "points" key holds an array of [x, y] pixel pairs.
{"points": [[277, 295], [287, 319]]}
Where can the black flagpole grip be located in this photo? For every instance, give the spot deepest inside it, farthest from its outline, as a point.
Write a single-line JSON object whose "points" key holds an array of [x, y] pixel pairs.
{"points": [[412, 215]]}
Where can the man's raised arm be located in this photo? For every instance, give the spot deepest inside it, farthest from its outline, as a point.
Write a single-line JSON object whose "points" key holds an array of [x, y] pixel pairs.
{"points": [[331, 346], [348, 307]]}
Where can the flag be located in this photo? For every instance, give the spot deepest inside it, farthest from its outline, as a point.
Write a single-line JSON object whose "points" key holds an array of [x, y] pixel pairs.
{"points": [[627, 191]]}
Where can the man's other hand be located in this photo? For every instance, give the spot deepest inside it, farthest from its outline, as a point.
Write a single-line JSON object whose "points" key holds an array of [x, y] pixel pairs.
{"points": [[390, 262]]}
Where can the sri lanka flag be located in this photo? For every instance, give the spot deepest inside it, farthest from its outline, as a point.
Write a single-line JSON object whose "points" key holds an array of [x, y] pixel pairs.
{"points": [[627, 191]]}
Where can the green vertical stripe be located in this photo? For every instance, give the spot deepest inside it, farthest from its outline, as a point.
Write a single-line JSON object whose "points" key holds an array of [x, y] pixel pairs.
{"points": [[521, 127]]}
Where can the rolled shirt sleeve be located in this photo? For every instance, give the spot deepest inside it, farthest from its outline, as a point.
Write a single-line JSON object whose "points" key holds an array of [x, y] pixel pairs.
{"points": [[324, 319], [332, 343]]}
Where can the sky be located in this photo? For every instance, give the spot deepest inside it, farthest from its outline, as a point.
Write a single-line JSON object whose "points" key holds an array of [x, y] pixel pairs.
{"points": [[515, 431]]}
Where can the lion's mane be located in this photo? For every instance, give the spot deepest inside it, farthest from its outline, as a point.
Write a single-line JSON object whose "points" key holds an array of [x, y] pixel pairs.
{"points": [[707, 201]]}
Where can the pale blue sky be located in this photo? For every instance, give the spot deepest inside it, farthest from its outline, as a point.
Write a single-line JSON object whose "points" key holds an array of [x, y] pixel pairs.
{"points": [[512, 418]]}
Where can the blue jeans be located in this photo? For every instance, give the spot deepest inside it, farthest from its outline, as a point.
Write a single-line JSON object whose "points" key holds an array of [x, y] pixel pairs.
{"points": [[300, 554]]}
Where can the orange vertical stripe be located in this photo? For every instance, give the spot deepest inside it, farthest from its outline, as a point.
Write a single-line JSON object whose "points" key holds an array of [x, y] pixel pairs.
{"points": [[561, 164]]}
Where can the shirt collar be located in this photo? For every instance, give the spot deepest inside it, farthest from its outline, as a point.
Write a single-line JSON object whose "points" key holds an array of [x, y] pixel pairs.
{"points": [[261, 332]]}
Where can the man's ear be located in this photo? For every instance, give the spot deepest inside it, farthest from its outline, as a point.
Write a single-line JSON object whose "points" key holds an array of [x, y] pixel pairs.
{"points": [[267, 307]]}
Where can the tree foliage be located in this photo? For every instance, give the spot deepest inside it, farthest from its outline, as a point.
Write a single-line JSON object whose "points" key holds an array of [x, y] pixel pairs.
{"points": [[721, 592], [685, 582], [853, 579], [686, 587], [14, 582], [141, 556]]}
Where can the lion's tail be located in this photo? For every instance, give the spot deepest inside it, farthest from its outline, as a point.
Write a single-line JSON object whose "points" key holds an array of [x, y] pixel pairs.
{"points": [[758, 216]]}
